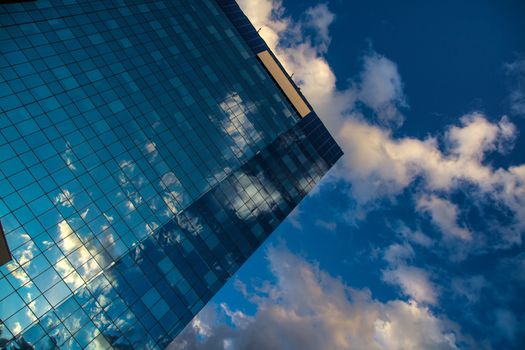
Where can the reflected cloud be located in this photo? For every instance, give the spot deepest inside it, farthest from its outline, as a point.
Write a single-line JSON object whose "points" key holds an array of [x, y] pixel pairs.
{"points": [[130, 205], [65, 198], [250, 196], [173, 195], [68, 157], [23, 259], [151, 227], [171, 199], [77, 256], [84, 214], [127, 165], [168, 180], [109, 217], [237, 125], [151, 149]]}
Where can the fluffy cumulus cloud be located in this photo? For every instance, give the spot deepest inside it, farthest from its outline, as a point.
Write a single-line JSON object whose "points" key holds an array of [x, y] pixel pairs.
{"points": [[306, 308], [378, 164]]}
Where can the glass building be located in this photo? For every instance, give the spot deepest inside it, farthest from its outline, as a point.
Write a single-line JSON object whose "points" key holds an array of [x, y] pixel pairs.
{"points": [[147, 148]]}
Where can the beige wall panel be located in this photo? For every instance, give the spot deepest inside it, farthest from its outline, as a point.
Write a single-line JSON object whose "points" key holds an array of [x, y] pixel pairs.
{"points": [[284, 83]]}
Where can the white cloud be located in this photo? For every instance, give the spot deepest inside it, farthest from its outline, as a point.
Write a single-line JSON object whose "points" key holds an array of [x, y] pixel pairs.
{"points": [[381, 88], [308, 309], [476, 136], [444, 214], [302, 55], [377, 164], [238, 318], [319, 19], [413, 281], [173, 195], [202, 325], [396, 254]]}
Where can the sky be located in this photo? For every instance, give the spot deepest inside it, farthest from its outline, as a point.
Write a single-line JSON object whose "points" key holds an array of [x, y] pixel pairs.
{"points": [[415, 239]]}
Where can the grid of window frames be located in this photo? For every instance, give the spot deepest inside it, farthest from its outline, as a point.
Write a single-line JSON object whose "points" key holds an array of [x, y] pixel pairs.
{"points": [[149, 295], [116, 117]]}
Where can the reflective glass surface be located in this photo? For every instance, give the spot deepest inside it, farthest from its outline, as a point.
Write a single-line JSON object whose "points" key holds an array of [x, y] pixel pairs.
{"points": [[145, 153]]}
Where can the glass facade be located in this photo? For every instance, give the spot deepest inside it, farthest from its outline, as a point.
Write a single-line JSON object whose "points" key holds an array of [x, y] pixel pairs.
{"points": [[145, 153]]}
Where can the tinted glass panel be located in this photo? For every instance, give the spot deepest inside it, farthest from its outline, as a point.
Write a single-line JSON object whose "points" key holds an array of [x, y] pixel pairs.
{"points": [[145, 153]]}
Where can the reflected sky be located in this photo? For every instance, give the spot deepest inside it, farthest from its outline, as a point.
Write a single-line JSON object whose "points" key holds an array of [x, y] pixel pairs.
{"points": [[251, 197]]}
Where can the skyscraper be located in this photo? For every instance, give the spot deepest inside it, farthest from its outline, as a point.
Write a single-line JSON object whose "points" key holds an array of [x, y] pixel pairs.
{"points": [[147, 148]]}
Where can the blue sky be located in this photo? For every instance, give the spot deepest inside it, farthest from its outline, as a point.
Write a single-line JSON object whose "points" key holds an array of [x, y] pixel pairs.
{"points": [[415, 239]]}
